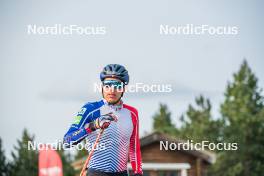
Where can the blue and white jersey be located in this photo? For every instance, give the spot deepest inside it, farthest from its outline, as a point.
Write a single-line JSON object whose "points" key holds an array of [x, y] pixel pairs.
{"points": [[119, 142]]}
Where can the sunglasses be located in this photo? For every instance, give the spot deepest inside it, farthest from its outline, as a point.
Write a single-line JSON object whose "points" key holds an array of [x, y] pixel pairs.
{"points": [[118, 85]]}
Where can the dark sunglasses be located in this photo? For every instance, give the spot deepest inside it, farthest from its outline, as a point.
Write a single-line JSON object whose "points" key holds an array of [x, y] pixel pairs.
{"points": [[113, 84]]}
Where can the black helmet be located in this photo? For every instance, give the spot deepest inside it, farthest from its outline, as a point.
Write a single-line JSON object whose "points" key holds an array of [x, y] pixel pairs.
{"points": [[115, 71]]}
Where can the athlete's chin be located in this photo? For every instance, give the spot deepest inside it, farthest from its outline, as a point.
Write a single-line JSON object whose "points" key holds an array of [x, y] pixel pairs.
{"points": [[112, 100]]}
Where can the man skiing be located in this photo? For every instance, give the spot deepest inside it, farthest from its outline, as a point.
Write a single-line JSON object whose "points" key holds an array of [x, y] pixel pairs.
{"points": [[120, 123]]}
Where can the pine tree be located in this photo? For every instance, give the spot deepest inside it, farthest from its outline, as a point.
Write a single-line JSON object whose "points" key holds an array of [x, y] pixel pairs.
{"points": [[3, 162], [243, 113], [198, 124], [25, 162], [162, 120]]}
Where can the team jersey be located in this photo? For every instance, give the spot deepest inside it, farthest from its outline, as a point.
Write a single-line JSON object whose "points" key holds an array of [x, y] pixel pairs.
{"points": [[119, 142]]}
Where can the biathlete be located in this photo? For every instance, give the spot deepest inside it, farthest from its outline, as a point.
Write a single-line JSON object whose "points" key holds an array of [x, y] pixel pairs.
{"points": [[120, 123]]}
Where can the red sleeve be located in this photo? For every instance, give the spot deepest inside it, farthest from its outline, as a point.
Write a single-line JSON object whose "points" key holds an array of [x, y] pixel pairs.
{"points": [[134, 147]]}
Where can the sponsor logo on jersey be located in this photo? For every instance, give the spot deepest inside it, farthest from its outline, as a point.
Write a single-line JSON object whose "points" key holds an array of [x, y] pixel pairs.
{"points": [[82, 111], [77, 119]]}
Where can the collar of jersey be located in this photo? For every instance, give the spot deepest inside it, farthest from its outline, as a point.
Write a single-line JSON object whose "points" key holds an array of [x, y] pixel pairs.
{"points": [[114, 107]]}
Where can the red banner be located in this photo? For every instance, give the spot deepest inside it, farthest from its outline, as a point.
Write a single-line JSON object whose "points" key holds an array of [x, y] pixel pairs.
{"points": [[49, 162]]}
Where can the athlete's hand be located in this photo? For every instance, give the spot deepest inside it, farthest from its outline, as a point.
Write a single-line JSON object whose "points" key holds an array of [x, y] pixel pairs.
{"points": [[105, 120], [101, 122]]}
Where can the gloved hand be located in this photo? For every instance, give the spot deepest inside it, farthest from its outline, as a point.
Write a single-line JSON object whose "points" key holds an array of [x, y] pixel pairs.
{"points": [[137, 175], [102, 122], [105, 120]]}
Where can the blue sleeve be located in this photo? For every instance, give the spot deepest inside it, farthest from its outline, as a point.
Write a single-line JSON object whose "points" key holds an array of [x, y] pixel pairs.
{"points": [[77, 131]]}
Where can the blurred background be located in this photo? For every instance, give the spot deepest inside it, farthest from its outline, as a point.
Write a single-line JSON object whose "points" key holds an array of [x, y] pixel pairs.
{"points": [[45, 79]]}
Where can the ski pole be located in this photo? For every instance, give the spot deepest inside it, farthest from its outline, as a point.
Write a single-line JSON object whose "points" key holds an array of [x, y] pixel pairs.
{"points": [[91, 153]]}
